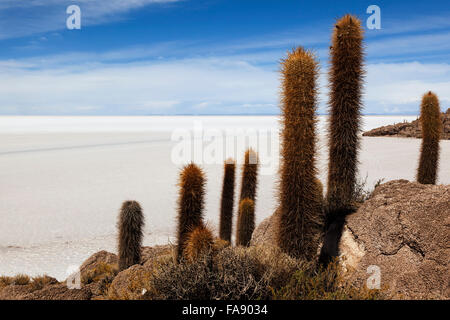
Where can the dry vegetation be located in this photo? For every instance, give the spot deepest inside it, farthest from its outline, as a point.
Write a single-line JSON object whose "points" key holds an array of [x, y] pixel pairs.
{"points": [[239, 273]]}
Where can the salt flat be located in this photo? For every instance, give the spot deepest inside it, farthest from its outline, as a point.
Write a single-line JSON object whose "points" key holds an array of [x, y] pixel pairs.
{"points": [[63, 179]]}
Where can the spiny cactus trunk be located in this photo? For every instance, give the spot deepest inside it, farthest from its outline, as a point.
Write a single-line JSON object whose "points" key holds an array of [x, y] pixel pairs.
{"points": [[226, 208], [131, 221], [301, 214], [249, 176], [245, 223], [190, 204], [431, 132], [346, 81]]}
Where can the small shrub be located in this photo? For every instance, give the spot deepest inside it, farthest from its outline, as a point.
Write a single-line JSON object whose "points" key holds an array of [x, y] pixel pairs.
{"points": [[323, 284], [100, 272], [21, 280], [361, 193], [5, 281], [40, 282]]}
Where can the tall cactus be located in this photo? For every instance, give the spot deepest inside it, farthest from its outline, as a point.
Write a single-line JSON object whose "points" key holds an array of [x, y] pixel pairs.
{"points": [[346, 78], [249, 175], [430, 120], [190, 204], [131, 221], [246, 222], [346, 82], [300, 213], [226, 208]]}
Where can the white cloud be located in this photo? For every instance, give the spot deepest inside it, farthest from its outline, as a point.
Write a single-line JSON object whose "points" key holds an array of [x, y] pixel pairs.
{"points": [[208, 85], [157, 87], [37, 16]]}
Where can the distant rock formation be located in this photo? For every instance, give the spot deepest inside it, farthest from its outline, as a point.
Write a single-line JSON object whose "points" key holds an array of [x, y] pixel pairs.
{"points": [[409, 129]]}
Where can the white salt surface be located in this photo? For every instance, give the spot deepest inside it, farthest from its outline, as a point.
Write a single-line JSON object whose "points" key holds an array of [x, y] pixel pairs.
{"points": [[63, 179]]}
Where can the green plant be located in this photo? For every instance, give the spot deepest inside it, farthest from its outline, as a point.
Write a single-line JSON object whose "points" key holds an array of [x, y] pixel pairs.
{"points": [[431, 131], [131, 221], [245, 222], [227, 201], [249, 175], [301, 214], [199, 241], [190, 204], [346, 81]]}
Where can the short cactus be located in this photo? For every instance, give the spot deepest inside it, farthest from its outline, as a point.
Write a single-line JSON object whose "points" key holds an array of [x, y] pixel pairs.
{"points": [[227, 201], [249, 175], [431, 132], [190, 204], [300, 219], [199, 241], [130, 224], [245, 223]]}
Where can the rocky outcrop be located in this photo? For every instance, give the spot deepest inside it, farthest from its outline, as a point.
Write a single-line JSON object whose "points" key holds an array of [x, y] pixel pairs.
{"points": [[404, 230], [53, 291], [265, 232], [409, 129]]}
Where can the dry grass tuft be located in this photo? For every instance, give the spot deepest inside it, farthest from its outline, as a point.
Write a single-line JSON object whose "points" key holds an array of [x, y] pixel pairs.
{"points": [[40, 282], [21, 280], [101, 272]]}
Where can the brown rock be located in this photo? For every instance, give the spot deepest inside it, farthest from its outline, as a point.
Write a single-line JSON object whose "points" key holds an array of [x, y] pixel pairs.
{"points": [[410, 129], [53, 291], [100, 257], [130, 284], [265, 232], [404, 229], [59, 292], [14, 292], [150, 253]]}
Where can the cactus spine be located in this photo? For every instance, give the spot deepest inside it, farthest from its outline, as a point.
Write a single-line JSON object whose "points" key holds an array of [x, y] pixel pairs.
{"points": [[226, 208], [300, 213], [131, 221], [431, 131], [246, 222], [200, 241], [249, 175], [346, 81], [190, 204]]}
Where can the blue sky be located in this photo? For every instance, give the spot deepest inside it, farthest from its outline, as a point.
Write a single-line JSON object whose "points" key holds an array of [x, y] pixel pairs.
{"points": [[143, 57]]}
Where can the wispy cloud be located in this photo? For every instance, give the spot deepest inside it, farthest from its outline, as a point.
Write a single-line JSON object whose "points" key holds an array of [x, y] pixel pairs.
{"points": [[24, 18]]}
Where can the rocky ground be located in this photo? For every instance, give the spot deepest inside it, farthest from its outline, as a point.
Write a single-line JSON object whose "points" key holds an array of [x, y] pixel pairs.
{"points": [[402, 230], [409, 129]]}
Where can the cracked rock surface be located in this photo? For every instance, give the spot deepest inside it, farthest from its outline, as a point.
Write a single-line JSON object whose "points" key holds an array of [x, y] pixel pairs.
{"points": [[404, 229]]}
